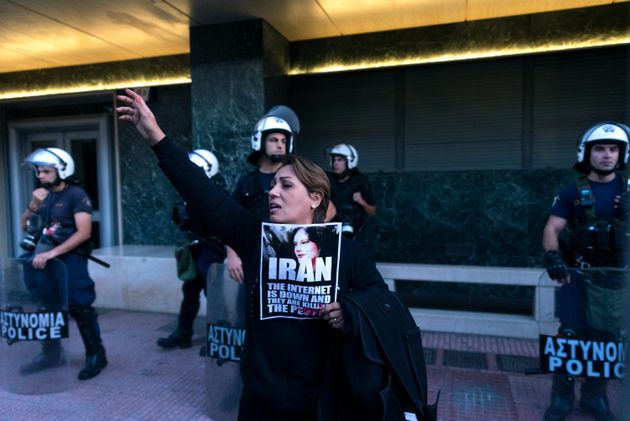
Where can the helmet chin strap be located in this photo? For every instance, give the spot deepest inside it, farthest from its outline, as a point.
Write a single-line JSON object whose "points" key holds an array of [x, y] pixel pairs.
{"points": [[605, 172]]}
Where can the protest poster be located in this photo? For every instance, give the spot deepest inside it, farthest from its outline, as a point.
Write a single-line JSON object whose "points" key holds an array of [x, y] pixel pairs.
{"points": [[582, 357], [299, 266]]}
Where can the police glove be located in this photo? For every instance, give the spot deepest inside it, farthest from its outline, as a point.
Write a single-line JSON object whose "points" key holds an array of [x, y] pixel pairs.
{"points": [[555, 265]]}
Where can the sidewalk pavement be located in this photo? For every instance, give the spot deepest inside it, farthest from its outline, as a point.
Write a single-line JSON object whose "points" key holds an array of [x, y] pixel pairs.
{"points": [[480, 378]]}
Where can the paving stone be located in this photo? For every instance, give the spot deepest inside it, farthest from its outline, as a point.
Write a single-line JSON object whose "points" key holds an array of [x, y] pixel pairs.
{"points": [[144, 382], [516, 363], [465, 359], [429, 356]]}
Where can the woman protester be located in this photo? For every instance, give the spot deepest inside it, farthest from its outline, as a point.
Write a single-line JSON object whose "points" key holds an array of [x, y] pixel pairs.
{"points": [[290, 368]]}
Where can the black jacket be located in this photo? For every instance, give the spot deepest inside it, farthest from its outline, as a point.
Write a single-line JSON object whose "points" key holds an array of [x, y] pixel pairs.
{"points": [[285, 362], [251, 196], [383, 357]]}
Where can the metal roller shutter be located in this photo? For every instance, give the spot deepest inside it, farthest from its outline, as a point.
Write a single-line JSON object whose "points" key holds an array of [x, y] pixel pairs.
{"points": [[355, 108], [464, 116], [569, 96]]}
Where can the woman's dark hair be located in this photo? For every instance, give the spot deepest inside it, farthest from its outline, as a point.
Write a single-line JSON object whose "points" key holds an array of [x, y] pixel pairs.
{"points": [[314, 179], [323, 236]]}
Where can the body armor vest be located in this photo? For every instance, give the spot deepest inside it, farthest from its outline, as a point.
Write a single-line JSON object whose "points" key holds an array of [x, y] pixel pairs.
{"points": [[598, 242]]}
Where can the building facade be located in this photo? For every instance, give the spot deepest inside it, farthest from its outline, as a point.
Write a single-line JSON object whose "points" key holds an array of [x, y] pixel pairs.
{"points": [[463, 154]]}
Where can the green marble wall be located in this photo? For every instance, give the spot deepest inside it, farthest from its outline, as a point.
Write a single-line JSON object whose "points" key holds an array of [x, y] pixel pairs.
{"points": [[147, 196], [488, 218], [485, 218], [238, 72]]}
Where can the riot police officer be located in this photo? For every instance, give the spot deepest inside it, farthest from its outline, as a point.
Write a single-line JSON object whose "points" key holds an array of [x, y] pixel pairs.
{"points": [[65, 212], [205, 251], [350, 191], [273, 137], [591, 210]]}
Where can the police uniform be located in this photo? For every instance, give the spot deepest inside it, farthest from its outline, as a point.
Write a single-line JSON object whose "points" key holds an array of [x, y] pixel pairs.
{"points": [[252, 189], [591, 305], [57, 214], [597, 239], [195, 257], [348, 211], [252, 192], [205, 252]]}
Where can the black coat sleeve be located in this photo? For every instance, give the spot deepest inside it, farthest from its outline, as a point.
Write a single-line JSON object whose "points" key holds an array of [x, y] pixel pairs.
{"points": [[218, 213], [362, 272]]}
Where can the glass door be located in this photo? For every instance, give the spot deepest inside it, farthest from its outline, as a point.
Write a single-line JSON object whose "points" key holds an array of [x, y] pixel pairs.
{"points": [[82, 145]]}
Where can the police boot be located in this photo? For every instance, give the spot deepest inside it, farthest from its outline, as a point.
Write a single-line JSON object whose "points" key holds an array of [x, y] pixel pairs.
{"points": [[593, 399], [562, 397], [95, 359], [51, 356], [178, 338]]}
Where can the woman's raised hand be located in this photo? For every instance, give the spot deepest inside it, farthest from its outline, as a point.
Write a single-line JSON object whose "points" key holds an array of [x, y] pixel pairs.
{"points": [[136, 111]]}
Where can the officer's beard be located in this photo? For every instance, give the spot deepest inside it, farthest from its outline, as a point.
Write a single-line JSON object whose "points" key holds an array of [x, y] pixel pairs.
{"points": [[276, 158], [49, 185]]}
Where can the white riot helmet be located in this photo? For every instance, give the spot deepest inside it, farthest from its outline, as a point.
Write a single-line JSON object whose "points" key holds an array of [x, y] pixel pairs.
{"points": [[52, 157], [603, 133], [271, 124], [280, 119], [206, 161], [348, 151]]}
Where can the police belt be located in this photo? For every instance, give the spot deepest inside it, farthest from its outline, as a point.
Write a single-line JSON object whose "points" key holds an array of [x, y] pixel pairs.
{"points": [[606, 277]]}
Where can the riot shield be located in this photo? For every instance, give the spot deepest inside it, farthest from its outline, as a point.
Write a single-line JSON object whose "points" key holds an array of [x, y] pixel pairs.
{"points": [[591, 340], [34, 327], [225, 334]]}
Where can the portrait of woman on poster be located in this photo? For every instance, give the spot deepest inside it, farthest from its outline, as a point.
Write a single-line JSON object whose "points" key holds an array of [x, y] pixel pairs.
{"points": [[312, 242]]}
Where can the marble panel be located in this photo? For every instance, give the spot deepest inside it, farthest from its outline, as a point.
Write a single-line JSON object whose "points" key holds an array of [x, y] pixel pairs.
{"points": [[237, 74], [488, 218], [146, 194]]}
